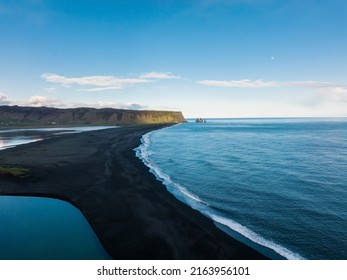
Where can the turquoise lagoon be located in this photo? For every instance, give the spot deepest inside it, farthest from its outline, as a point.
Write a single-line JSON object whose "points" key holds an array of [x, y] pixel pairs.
{"points": [[44, 228]]}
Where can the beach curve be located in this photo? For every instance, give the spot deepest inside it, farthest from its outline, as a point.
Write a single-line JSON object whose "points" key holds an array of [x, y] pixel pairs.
{"points": [[130, 211]]}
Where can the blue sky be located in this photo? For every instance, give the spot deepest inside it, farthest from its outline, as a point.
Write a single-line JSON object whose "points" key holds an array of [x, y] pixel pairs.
{"points": [[208, 58]]}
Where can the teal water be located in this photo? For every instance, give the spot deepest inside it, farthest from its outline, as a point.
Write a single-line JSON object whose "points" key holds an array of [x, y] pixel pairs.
{"points": [[279, 185], [45, 229]]}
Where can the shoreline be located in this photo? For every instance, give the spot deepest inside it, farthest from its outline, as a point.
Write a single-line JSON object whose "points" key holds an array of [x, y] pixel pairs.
{"points": [[132, 213]]}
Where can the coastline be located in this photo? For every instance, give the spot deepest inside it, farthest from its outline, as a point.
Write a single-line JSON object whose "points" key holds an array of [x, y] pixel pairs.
{"points": [[132, 213]]}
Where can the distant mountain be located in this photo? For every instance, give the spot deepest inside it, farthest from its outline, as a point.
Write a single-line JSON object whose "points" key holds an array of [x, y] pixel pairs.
{"points": [[46, 116]]}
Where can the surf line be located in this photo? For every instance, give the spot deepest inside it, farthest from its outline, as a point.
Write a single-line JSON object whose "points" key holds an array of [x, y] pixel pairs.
{"points": [[182, 193]]}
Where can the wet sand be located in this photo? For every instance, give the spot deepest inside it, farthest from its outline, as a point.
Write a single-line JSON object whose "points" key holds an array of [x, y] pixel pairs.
{"points": [[132, 213]]}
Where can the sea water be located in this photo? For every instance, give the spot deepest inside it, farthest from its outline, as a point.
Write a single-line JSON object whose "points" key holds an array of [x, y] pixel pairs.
{"points": [[278, 185]]}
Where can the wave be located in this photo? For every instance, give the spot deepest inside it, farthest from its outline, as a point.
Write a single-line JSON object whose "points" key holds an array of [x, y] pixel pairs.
{"points": [[143, 153], [256, 238]]}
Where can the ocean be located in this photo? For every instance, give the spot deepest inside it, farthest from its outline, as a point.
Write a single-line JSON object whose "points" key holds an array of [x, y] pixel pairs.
{"points": [[278, 185]]}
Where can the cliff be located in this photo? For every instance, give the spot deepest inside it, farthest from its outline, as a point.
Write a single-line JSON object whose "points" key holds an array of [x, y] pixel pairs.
{"points": [[43, 116]]}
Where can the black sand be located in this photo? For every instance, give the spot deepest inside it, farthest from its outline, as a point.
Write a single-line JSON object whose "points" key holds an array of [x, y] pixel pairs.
{"points": [[131, 212]]}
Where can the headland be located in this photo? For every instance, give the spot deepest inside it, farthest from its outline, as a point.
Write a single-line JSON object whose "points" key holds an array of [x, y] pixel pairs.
{"points": [[16, 116]]}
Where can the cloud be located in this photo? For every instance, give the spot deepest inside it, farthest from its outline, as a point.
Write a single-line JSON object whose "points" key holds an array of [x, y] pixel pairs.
{"points": [[43, 101], [134, 106], [98, 83], [116, 105], [332, 93], [40, 101], [3, 99], [99, 89], [245, 83], [159, 75], [105, 83], [313, 84], [327, 91]]}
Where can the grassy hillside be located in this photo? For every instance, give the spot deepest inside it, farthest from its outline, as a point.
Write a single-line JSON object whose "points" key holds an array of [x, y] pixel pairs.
{"points": [[44, 116]]}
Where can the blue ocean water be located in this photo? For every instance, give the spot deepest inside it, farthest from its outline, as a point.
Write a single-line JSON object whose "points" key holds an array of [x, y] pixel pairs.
{"points": [[279, 185]]}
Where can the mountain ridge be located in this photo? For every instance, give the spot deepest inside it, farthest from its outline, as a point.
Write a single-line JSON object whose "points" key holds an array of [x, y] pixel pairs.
{"points": [[49, 116]]}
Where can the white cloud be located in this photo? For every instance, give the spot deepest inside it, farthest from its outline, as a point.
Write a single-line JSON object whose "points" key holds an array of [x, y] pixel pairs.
{"points": [[99, 89], [322, 92], [3, 99], [159, 75], [40, 101], [245, 83], [35, 101], [105, 83], [98, 82], [115, 105], [313, 84], [339, 90], [329, 91], [43, 101], [333, 93]]}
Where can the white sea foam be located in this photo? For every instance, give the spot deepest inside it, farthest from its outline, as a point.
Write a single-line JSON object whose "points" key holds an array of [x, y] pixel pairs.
{"points": [[142, 152], [195, 202], [8, 142], [251, 235]]}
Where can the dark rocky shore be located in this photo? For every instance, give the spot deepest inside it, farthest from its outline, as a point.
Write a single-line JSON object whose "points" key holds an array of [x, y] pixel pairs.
{"points": [[131, 212]]}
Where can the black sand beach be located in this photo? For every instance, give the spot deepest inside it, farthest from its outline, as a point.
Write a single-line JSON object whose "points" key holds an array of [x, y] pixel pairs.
{"points": [[132, 213]]}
